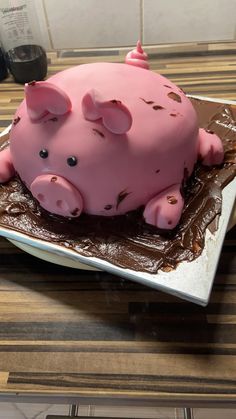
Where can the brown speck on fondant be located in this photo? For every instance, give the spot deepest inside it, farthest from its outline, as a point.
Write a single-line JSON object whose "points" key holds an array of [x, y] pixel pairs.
{"points": [[95, 130], [173, 114], [32, 83], [53, 179], [169, 222], [174, 96], [172, 200], [157, 107], [122, 195], [209, 131], [157, 171], [116, 102], [168, 87], [75, 212], [53, 119], [108, 207], [16, 120], [148, 102]]}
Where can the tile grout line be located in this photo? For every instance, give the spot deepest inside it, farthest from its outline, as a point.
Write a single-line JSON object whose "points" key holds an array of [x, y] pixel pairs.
{"points": [[48, 26], [141, 21], [19, 410]]}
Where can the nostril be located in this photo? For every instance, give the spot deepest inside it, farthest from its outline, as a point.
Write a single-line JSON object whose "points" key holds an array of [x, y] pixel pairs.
{"points": [[40, 197], [62, 205]]}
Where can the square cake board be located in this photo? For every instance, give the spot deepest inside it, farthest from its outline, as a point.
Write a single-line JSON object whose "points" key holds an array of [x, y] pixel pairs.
{"points": [[191, 281]]}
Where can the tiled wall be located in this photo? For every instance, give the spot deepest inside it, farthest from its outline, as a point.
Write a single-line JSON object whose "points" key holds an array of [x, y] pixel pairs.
{"points": [[114, 23]]}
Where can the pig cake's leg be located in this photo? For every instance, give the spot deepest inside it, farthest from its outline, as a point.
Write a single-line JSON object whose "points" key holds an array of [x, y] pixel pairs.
{"points": [[6, 166], [165, 209], [210, 148]]}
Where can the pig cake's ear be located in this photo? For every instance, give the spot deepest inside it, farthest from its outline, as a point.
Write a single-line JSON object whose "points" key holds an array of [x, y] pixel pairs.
{"points": [[43, 98], [115, 116]]}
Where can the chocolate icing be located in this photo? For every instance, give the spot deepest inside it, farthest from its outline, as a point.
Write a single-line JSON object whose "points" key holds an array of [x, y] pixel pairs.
{"points": [[127, 241]]}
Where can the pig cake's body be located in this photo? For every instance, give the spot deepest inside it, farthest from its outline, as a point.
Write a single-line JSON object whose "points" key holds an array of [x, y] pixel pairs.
{"points": [[106, 139]]}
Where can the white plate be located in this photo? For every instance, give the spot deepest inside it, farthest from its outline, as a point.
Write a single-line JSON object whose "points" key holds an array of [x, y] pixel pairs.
{"points": [[51, 257], [190, 280]]}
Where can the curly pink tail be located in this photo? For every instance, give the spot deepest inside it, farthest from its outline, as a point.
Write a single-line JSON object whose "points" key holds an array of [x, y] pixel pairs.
{"points": [[137, 57]]}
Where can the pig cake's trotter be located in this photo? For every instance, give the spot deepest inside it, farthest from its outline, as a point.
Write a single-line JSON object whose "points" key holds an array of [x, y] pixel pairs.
{"points": [[106, 139]]}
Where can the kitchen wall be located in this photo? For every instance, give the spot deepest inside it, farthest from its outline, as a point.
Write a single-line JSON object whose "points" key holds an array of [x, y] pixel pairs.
{"points": [[114, 23]]}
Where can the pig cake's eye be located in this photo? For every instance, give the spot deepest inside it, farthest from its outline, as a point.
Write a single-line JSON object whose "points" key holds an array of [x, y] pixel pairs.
{"points": [[43, 153], [72, 161]]}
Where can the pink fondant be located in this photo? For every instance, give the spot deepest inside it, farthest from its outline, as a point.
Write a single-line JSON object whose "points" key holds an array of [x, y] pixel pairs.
{"points": [[137, 57], [57, 195], [44, 97], [115, 115], [210, 148], [107, 132], [6, 165]]}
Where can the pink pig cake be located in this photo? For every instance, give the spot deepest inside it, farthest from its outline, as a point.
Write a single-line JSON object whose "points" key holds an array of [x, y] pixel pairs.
{"points": [[108, 138]]}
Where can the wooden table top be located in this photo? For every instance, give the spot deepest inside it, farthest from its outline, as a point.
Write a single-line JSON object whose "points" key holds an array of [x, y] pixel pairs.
{"points": [[74, 333]]}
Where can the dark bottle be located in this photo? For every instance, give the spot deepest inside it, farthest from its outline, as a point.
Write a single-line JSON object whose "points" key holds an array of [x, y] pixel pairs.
{"points": [[3, 67], [21, 38], [27, 63]]}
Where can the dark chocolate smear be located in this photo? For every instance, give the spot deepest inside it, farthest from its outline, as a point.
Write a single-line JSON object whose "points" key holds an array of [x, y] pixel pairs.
{"points": [[127, 241]]}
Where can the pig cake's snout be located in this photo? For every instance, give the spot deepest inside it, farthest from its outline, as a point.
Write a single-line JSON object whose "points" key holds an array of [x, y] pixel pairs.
{"points": [[57, 195]]}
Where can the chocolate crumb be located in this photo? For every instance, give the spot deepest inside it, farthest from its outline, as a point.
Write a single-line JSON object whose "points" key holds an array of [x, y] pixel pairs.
{"points": [[53, 119], [116, 102], [157, 171], [173, 114], [174, 96], [157, 107], [122, 195], [16, 120], [53, 179], [108, 207], [98, 132], [209, 131], [196, 247], [172, 200], [148, 102], [167, 268]]}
